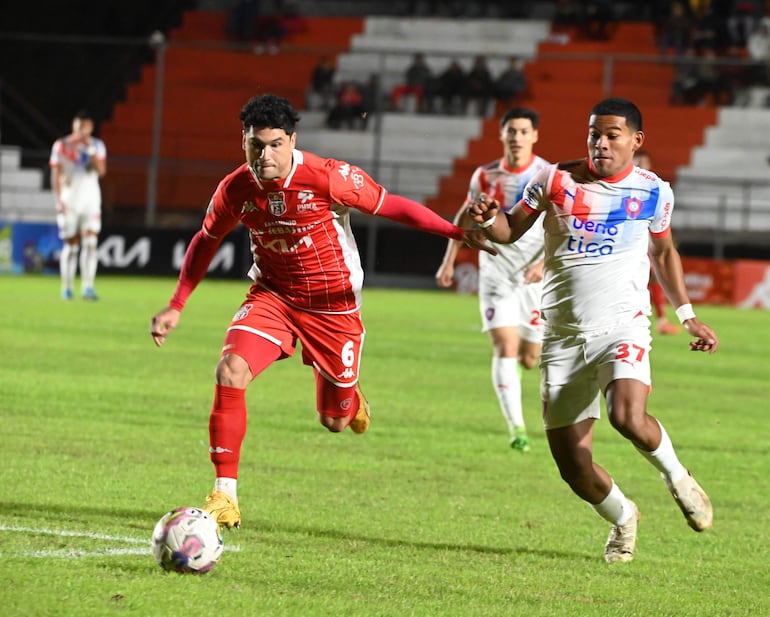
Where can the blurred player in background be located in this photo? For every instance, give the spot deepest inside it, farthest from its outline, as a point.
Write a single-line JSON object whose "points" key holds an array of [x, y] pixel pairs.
{"points": [[307, 280], [77, 162], [657, 295], [510, 283], [603, 216]]}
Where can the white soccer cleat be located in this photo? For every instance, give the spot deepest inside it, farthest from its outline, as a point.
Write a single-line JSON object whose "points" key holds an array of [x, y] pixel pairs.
{"points": [[621, 542], [692, 501]]}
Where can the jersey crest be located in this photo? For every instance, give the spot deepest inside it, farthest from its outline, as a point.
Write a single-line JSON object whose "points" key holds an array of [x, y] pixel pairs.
{"points": [[277, 203]]}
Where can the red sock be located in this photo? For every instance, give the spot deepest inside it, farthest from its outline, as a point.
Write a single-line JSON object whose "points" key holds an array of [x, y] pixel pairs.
{"points": [[658, 297], [227, 428]]}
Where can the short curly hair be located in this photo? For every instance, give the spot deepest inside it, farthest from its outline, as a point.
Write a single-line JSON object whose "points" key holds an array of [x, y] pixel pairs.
{"points": [[269, 111], [620, 107]]}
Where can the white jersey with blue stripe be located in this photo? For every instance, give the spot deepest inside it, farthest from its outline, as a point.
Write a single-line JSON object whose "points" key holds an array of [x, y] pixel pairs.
{"points": [[596, 241], [506, 185]]}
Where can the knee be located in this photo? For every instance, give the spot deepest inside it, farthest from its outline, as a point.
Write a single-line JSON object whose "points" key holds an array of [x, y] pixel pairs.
{"points": [[528, 360], [232, 370], [577, 476], [629, 420], [332, 424]]}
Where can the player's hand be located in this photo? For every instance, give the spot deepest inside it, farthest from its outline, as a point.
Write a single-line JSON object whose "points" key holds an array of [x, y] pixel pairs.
{"points": [[61, 207], [483, 208], [705, 338], [534, 274], [163, 323], [445, 275], [476, 239]]}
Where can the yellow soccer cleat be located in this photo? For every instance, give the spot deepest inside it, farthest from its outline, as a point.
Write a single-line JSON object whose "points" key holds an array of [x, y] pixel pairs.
{"points": [[224, 509], [360, 424]]}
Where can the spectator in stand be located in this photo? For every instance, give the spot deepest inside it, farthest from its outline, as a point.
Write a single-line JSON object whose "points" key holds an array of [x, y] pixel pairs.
{"points": [[480, 85], [452, 89], [758, 48], [371, 99], [242, 21], [714, 83], [743, 19], [270, 34], [685, 87], [710, 30], [597, 17], [418, 79], [676, 30], [348, 112], [511, 83], [321, 89]]}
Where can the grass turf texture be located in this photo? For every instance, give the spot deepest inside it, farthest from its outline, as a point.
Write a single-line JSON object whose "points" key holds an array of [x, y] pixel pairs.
{"points": [[429, 513]]}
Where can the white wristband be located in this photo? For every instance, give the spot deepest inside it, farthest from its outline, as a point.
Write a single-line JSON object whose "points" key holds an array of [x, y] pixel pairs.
{"points": [[487, 223], [685, 312]]}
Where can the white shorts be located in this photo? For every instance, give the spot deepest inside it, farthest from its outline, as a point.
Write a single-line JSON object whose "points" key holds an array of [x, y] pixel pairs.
{"points": [[507, 304], [575, 369], [78, 219]]}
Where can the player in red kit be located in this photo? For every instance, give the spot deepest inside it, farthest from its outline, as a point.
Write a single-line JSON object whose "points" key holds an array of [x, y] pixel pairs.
{"points": [[307, 279]]}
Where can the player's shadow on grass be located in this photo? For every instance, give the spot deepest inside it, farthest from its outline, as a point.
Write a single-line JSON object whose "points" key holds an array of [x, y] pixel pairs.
{"points": [[271, 526], [145, 519]]}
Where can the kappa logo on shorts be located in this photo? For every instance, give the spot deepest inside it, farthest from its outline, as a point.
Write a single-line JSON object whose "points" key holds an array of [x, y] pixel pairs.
{"points": [[242, 312], [346, 374]]}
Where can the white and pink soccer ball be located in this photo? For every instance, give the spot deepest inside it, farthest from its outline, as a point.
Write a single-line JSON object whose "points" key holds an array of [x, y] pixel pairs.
{"points": [[187, 540]]}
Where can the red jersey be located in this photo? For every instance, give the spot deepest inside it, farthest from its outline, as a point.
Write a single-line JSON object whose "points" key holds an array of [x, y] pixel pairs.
{"points": [[299, 226]]}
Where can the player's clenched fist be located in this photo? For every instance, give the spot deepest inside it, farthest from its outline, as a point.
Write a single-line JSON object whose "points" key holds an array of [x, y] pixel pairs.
{"points": [[162, 324]]}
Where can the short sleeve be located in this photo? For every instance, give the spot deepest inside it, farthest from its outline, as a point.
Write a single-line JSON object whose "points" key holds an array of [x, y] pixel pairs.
{"points": [[662, 218], [535, 197], [351, 186]]}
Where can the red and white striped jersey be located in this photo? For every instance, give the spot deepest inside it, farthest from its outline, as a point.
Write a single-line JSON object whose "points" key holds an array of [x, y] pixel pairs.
{"points": [[303, 246]]}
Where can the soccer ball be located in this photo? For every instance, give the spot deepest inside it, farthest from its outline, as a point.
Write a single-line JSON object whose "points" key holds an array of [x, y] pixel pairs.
{"points": [[187, 540]]}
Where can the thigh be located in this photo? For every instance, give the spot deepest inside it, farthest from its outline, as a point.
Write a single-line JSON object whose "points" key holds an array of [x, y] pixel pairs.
{"points": [[569, 386], [624, 353], [67, 222], [332, 344], [531, 326], [262, 319], [499, 304]]}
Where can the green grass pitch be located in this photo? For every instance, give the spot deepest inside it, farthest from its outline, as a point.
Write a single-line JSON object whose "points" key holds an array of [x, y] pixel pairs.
{"points": [[428, 514]]}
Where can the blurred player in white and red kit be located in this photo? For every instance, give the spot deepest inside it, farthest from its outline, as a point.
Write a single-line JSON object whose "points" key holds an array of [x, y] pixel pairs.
{"points": [[77, 162], [602, 215], [307, 279], [510, 283]]}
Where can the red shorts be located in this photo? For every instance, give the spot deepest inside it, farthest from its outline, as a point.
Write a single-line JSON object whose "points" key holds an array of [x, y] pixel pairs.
{"points": [[330, 343]]}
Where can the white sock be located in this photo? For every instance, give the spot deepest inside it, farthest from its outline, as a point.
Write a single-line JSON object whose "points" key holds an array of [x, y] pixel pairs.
{"points": [[68, 263], [227, 486], [88, 261], [664, 458], [507, 384], [614, 508]]}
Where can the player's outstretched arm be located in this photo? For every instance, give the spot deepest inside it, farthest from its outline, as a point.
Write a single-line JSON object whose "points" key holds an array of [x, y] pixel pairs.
{"points": [[505, 229], [446, 271], [667, 265], [163, 323]]}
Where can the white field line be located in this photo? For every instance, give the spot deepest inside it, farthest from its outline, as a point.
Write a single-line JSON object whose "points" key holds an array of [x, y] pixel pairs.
{"points": [[74, 552]]}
